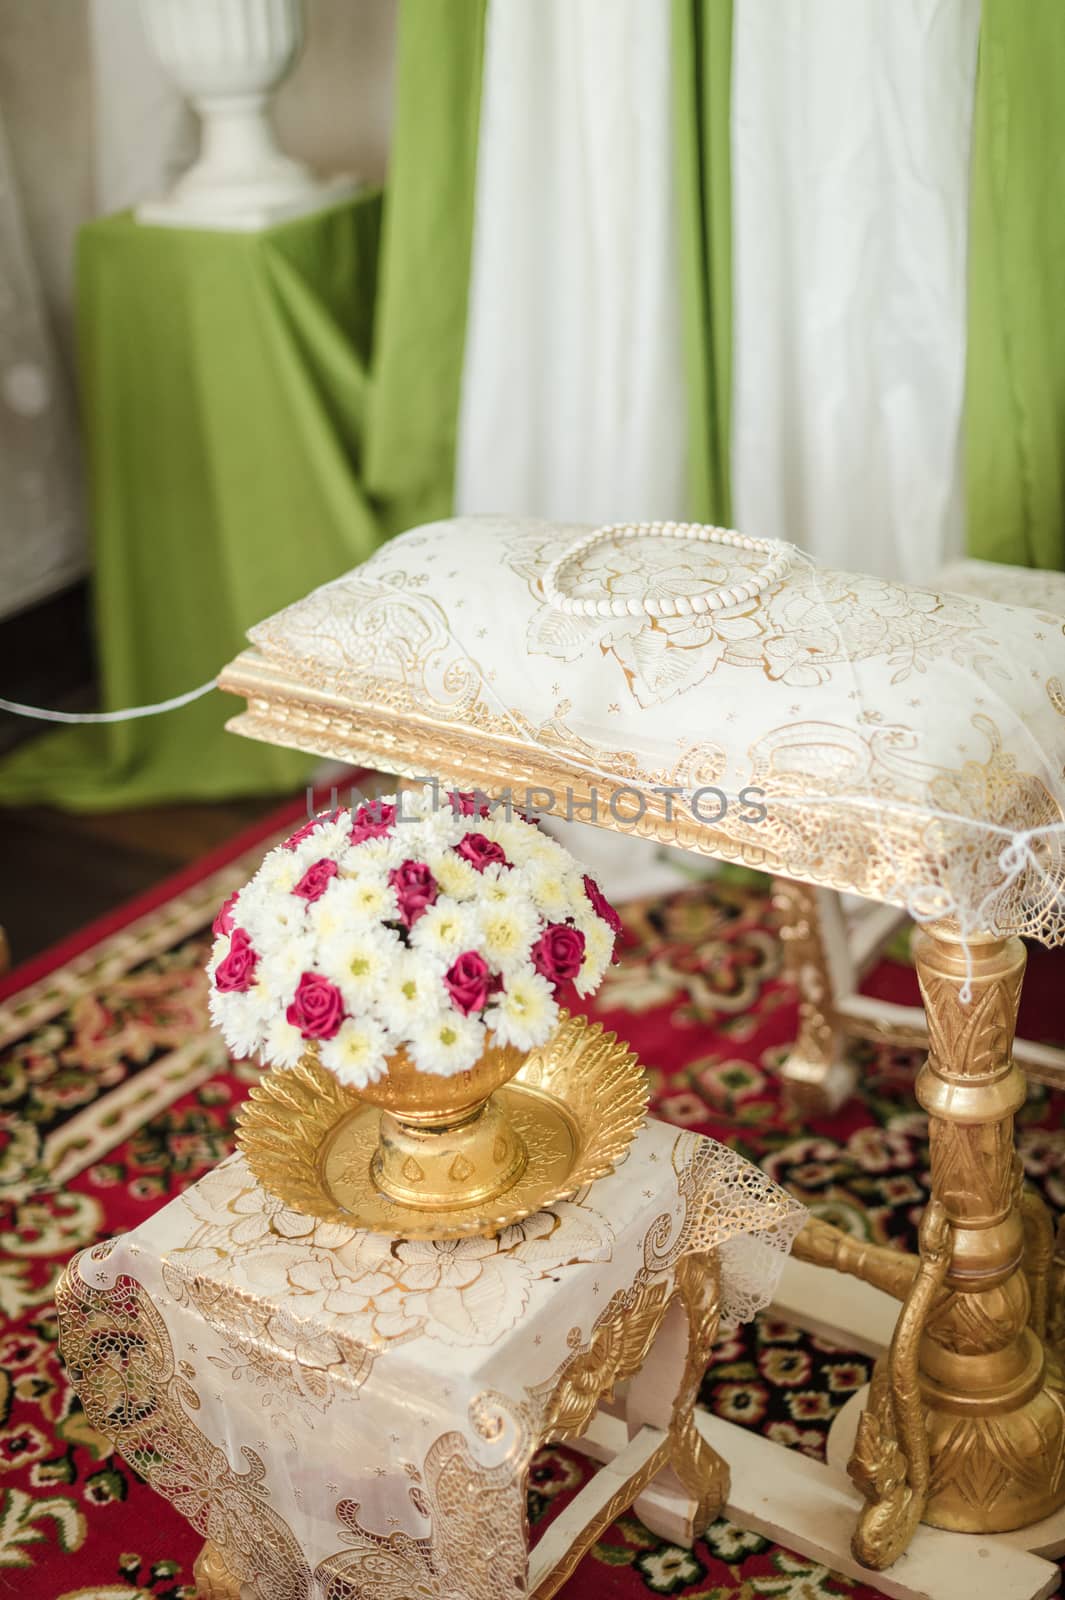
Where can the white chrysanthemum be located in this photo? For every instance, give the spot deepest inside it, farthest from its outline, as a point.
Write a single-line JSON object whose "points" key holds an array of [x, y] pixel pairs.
{"points": [[282, 966], [374, 856], [550, 886], [502, 885], [437, 830], [242, 1019], [508, 928], [351, 902], [523, 843], [271, 918], [358, 1052], [412, 989], [505, 833], [358, 960], [281, 871], [524, 1012], [445, 930], [419, 802], [598, 949], [284, 1045], [328, 839], [447, 1043], [454, 875]]}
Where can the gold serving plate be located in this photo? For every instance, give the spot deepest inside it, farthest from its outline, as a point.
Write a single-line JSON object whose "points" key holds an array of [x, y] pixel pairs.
{"points": [[577, 1104]]}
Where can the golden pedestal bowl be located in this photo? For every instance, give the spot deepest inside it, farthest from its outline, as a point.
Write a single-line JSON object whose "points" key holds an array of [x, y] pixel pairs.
{"points": [[446, 1142], [419, 1156]]}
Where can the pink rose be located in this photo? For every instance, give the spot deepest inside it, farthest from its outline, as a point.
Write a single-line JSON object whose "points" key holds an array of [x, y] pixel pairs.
{"points": [[464, 803], [480, 851], [601, 905], [236, 972], [308, 828], [316, 879], [223, 922], [468, 982], [415, 889], [558, 953], [371, 821], [317, 1008]]}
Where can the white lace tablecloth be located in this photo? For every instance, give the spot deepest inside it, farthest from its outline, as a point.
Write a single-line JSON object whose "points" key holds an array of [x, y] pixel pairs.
{"points": [[345, 1414]]}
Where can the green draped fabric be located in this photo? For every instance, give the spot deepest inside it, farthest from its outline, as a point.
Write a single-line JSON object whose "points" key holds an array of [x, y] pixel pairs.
{"points": [[428, 240], [702, 75], [261, 411], [1015, 380]]}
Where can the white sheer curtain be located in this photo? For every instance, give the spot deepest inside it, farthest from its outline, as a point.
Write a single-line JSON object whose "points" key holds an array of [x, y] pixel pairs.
{"points": [[573, 394], [41, 524], [850, 160], [573, 402]]}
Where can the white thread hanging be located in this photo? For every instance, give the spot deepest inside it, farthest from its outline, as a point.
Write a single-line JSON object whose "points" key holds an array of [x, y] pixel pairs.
{"points": [[130, 714]]}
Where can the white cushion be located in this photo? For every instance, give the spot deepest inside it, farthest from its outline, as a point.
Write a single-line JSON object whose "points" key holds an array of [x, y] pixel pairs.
{"points": [[877, 718], [1012, 586]]}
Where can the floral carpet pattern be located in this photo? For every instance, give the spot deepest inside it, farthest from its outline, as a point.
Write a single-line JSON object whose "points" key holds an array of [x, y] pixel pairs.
{"points": [[114, 1095]]}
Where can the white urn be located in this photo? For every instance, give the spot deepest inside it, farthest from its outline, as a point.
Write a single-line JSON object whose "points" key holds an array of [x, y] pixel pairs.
{"points": [[227, 57]]}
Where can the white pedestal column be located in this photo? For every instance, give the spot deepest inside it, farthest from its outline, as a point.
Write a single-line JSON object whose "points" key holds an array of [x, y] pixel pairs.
{"points": [[227, 57]]}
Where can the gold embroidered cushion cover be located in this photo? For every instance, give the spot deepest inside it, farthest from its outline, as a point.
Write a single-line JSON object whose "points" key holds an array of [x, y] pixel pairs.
{"points": [[902, 743]]}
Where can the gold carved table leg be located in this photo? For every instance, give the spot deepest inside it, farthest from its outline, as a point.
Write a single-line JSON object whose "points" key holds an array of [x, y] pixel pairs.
{"points": [[658, 1343], [816, 1074], [969, 1375], [663, 1395], [214, 1580]]}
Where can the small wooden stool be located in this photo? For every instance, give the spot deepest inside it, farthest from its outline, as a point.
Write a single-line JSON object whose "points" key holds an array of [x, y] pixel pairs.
{"points": [[334, 1409]]}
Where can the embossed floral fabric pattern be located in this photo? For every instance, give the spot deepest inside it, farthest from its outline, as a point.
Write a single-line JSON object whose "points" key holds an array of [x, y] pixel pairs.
{"points": [[426, 1362], [699, 993], [887, 726]]}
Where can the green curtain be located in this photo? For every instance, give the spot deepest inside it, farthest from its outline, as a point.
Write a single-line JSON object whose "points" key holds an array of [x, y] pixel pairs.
{"points": [[261, 411], [702, 74], [1015, 378], [428, 241]]}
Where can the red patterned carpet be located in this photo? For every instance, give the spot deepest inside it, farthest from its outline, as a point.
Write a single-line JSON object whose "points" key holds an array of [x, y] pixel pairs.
{"points": [[114, 1095]]}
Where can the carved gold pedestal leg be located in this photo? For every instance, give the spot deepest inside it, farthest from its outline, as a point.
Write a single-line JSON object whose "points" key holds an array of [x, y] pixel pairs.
{"points": [[816, 1074], [993, 1414], [698, 1467], [891, 1461], [214, 1581], [662, 1394], [659, 1342]]}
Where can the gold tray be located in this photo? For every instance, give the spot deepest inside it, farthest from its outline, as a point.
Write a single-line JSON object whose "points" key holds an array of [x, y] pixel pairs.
{"points": [[578, 1102]]}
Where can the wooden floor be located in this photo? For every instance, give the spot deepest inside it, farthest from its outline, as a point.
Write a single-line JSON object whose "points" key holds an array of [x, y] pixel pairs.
{"points": [[59, 871]]}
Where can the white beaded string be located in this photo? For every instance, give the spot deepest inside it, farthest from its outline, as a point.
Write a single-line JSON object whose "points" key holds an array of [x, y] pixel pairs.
{"points": [[778, 560]]}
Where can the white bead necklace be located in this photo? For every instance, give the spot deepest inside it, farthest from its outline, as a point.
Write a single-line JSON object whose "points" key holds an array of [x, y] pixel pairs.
{"points": [[778, 560]]}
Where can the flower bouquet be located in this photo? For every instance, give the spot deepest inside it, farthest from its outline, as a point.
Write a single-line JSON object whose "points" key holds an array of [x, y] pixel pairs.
{"points": [[418, 953]]}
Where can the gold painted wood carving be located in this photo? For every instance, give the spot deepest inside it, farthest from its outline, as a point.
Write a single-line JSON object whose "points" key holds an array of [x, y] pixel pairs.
{"points": [[965, 1424], [814, 1059], [701, 1470], [620, 1344], [890, 1464], [628, 1492], [993, 1393], [621, 1338], [824, 1245], [214, 1579]]}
